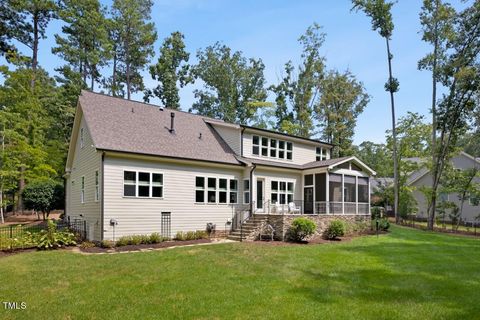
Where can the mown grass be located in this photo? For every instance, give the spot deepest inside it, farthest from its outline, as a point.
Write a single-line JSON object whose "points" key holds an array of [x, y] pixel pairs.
{"points": [[407, 274]]}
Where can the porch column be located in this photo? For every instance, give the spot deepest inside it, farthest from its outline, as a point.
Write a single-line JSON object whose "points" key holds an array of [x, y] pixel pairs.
{"points": [[327, 199], [314, 191], [343, 193], [356, 194], [368, 195]]}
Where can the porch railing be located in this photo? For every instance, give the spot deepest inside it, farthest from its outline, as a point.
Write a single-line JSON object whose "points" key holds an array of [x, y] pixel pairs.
{"points": [[320, 207]]}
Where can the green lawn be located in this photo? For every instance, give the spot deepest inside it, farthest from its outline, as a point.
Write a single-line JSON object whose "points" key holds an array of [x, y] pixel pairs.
{"points": [[407, 274]]}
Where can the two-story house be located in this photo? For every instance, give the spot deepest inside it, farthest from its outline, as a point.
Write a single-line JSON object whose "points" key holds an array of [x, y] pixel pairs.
{"points": [[135, 168]]}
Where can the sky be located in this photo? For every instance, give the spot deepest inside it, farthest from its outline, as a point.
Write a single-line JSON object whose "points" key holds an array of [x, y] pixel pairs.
{"points": [[269, 30]]}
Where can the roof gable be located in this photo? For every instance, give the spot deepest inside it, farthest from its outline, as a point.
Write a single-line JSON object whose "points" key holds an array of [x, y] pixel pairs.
{"points": [[117, 124]]}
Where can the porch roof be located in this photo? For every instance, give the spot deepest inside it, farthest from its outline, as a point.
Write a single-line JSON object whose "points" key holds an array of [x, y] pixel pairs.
{"points": [[330, 163]]}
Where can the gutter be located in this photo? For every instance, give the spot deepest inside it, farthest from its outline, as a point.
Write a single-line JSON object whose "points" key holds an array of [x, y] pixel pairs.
{"points": [[254, 166], [241, 141]]}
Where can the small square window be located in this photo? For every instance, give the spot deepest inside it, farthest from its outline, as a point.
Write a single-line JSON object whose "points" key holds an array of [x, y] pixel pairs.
{"points": [[274, 185], [255, 140], [264, 142], [255, 150]]}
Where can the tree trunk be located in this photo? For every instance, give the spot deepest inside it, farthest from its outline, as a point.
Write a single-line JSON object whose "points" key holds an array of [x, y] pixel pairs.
{"points": [[114, 75], [21, 186], [394, 137], [34, 50], [431, 215]]}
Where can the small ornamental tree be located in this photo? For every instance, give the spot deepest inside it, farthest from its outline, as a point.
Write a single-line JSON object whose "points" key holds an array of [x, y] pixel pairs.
{"points": [[43, 196]]}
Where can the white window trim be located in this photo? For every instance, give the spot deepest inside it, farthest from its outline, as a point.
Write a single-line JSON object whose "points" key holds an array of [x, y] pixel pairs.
{"points": [[270, 148], [198, 189], [230, 191], [279, 192], [97, 185], [82, 189], [136, 196], [324, 153]]}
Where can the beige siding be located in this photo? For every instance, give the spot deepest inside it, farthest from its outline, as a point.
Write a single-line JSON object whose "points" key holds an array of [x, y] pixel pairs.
{"points": [[143, 215], [85, 161], [270, 175], [231, 137], [302, 152]]}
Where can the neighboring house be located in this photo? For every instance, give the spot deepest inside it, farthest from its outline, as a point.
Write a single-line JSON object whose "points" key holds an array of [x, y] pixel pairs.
{"points": [[423, 177], [152, 169]]}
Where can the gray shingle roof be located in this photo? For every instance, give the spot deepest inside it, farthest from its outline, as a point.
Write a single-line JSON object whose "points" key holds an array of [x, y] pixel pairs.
{"points": [[121, 125], [310, 165]]}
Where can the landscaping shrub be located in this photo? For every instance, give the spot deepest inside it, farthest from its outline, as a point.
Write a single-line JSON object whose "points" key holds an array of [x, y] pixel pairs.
{"points": [[135, 240], [201, 234], [180, 236], [383, 224], [190, 235], [335, 229], [123, 241], [107, 244], [51, 238], [301, 228], [155, 238]]}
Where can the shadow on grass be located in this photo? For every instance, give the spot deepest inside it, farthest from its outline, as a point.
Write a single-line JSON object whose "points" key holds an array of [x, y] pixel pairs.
{"points": [[409, 269]]}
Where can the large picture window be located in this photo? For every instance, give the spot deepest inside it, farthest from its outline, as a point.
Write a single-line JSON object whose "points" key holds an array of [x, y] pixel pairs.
{"points": [[142, 184], [281, 192]]}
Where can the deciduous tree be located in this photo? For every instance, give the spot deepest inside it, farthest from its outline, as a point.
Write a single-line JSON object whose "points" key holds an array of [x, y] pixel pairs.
{"points": [[234, 86]]}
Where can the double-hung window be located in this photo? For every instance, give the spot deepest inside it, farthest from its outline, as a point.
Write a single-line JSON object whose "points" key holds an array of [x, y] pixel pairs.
{"points": [[222, 190], [273, 148], [246, 191], [142, 184], [289, 150], [264, 146], [200, 189], [256, 145], [212, 190], [233, 191]]}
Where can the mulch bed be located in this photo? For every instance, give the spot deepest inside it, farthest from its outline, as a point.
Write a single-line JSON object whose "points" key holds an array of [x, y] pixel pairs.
{"points": [[319, 240], [140, 247]]}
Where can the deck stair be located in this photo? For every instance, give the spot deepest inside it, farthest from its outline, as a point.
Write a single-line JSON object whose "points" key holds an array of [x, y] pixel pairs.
{"points": [[248, 228]]}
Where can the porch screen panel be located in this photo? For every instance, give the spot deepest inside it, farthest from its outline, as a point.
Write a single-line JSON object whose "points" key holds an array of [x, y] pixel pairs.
{"points": [[349, 192], [320, 187], [362, 189], [335, 187]]}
